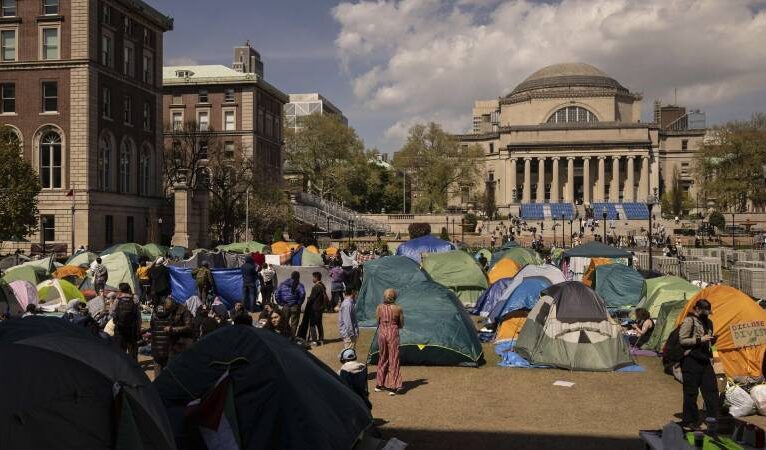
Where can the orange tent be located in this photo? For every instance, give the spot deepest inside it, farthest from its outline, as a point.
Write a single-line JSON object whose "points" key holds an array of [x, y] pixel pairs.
{"points": [[511, 326], [69, 271], [281, 247], [505, 268], [331, 251], [313, 249], [740, 325], [590, 272]]}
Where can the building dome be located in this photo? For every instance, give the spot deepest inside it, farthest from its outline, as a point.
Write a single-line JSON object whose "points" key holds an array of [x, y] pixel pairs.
{"points": [[567, 76]]}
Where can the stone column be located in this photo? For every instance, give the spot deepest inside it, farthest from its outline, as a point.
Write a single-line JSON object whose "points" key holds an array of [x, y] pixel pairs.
{"points": [[601, 191], [540, 180], [614, 190], [586, 183], [630, 183], [555, 181], [527, 195], [181, 201], [643, 186], [569, 197], [511, 177]]}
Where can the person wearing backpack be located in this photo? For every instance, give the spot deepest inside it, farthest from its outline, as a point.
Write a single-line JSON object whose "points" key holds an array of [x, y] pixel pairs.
{"points": [[204, 278], [100, 276], [695, 336], [127, 321], [311, 326]]}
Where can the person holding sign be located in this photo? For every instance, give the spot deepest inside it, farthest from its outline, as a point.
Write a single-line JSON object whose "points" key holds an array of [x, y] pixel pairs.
{"points": [[696, 338]]}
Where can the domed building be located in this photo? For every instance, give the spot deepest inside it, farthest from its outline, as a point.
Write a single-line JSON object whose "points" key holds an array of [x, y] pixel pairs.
{"points": [[571, 135]]}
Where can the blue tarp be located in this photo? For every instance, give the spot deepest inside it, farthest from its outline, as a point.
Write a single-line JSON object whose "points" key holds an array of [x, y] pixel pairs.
{"points": [[425, 244], [228, 285], [491, 296], [525, 296], [297, 257]]}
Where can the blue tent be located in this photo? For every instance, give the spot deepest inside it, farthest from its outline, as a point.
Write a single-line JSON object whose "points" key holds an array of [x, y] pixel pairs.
{"points": [[524, 296], [491, 297], [425, 244], [228, 285], [297, 257]]}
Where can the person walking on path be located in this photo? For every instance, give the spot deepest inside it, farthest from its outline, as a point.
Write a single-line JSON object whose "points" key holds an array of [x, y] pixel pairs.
{"points": [[390, 320], [337, 278], [289, 297], [348, 326], [696, 338], [311, 327], [204, 278], [127, 321], [100, 276], [159, 281]]}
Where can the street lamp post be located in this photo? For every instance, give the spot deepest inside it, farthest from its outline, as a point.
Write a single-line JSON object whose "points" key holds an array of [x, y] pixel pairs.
{"points": [[563, 227], [650, 202], [43, 223], [571, 233], [247, 214], [603, 215]]}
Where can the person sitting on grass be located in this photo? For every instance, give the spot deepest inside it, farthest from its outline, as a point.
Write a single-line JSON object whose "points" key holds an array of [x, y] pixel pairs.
{"points": [[354, 374], [279, 325], [643, 328]]}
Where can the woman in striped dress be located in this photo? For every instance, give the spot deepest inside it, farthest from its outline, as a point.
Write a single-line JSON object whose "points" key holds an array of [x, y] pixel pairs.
{"points": [[390, 319]]}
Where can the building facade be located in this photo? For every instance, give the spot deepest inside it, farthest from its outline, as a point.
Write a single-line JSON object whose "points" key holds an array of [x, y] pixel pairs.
{"points": [[569, 133], [237, 106], [81, 89], [302, 105]]}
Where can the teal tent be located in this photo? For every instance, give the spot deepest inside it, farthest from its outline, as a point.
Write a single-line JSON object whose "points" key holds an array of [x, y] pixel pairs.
{"points": [[129, 247], [437, 329], [81, 259], [154, 251], [32, 274], [380, 274], [459, 272], [619, 285]]}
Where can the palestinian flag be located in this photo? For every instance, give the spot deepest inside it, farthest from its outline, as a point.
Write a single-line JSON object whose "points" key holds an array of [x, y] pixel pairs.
{"points": [[216, 417]]}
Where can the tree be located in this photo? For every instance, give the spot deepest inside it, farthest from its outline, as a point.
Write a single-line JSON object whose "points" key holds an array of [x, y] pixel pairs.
{"points": [[19, 187], [717, 220], [371, 187], [230, 172], [437, 164], [325, 150], [676, 200], [185, 156], [270, 213], [731, 167]]}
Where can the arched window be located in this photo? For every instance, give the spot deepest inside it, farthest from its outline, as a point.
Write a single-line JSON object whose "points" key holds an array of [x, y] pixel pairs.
{"points": [[126, 157], [50, 160], [572, 114], [104, 163], [144, 170]]}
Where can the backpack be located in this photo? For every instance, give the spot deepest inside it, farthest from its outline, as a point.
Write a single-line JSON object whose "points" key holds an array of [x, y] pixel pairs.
{"points": [[673, 352], [125, 315]]}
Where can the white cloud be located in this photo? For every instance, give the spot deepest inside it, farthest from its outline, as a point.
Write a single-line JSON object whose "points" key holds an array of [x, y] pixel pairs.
{"points": [[429, 60]]}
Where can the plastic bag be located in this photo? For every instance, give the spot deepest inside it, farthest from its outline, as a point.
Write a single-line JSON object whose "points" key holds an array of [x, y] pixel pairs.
{"points": [[758, 394], [740, 402]]}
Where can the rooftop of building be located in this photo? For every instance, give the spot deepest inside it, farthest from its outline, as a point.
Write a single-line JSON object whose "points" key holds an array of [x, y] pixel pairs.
{"points": [[567, 76], [315, 97], [213, 74], [163, 21]]}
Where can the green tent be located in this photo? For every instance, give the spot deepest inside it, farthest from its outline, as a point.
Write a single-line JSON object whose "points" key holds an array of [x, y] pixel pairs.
{"points": [[664, 324], [55, 294], [459, 272], [32, 274], [311, 259], [154, 251], [129, 247], [437, 329], [619, 285], [82, 258], [120, 270], [244, 247], [570, 328], [520, 255], [380, 274], [663, 289]]}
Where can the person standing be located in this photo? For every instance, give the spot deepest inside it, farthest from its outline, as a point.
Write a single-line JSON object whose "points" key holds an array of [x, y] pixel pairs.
{"points": [[390, 320], [348, 327], [160, 338], [696, 338], [250, 283], [337, 277], [142, 273], [268, 278], [311, 327], [204, 278], [159, 281], [289, 297], [127, 321], [100, 276], [180, 330]]}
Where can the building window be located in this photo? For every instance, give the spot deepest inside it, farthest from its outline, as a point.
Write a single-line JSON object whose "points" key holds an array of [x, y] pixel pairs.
{"points": [[202, 97], [492, 147], [177, 119], [50, 48], [260, 121], [148, 69], [203, 120], [126, 154], [106, 105], [104, 164], [50, 7], [7, 98], [685, 144], [465, 194], [147, 38], [228, 150], [106, 15], [177, 99], [8, 8], [184, 73], [107, 46], [144, 166], [8, 44], [127, 108], [50, 160], [50, 96], [228, 121], [572, 114], [228, 95], [127, 60], [49, 227], [130, 236], [203, 149], [109, 230], [147, 117], [127, 25]]}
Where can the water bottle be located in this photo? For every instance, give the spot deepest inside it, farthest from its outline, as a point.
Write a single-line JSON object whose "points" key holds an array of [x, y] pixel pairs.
{"points": [[711, 427], [699, 439]]}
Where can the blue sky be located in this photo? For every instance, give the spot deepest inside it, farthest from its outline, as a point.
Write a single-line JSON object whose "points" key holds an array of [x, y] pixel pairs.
{"points": [[389, 64]]}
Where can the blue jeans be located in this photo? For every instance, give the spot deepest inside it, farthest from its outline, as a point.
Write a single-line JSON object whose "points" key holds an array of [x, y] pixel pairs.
{"points": [[251, 293]]}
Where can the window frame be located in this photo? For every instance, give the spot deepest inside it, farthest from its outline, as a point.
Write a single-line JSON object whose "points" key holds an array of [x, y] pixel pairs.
{"points": [[203, 96], [48, 225], [147, 116], [43, 46], [3, 8], [684, 145], [4, 99], [144, 171], [45, 99], [175, 97], [229, 95], [127, 110], [233, 113], [107, 51], [15, 32], [228, 149], [50, 4], [106, 14], [109, 229], [590, 116], [125, 165], [106, 102], [128, 59], [147, 68], [179, 125], [206, 113], [104, 163], [47, 166]]}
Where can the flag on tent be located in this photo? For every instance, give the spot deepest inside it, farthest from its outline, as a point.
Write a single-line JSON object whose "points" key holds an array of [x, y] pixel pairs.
{"points": [[216, 416]]}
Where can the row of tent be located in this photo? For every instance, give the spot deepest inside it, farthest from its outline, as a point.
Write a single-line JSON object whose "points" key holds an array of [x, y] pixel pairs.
{"points": [[239, 385]]}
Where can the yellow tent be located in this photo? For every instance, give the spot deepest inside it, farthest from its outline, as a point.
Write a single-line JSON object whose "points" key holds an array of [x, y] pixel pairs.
{"points": [[505, 268], [281, 247], [511, 326], [590, 272], [313, 249], [70, 271], [331, 251], [740, 325]]}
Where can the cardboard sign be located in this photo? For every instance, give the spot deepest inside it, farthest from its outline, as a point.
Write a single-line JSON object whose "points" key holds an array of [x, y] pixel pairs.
{"points": [[746, 334]]}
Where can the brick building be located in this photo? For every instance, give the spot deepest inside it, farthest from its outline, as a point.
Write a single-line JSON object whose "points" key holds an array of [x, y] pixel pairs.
{"points": [[80, 85]]}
